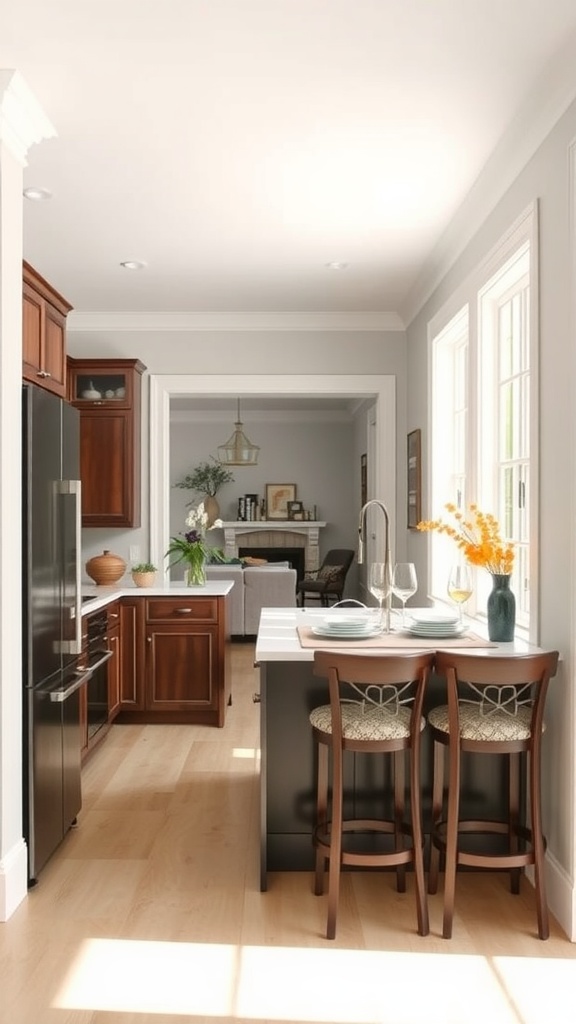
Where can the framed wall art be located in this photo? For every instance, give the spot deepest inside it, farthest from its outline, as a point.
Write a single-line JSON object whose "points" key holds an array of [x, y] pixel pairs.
{"points": [[277, 498], [363, 480], [414, 463], [295, 509]]}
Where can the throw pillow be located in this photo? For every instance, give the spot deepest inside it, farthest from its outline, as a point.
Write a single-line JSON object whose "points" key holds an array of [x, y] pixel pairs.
{"points": [[330, 573]]}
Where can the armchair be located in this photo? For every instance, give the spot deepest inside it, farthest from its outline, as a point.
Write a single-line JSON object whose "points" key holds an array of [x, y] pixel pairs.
{"points": [[328, 581]]}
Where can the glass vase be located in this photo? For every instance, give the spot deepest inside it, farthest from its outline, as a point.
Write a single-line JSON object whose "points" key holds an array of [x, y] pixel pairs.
{"points": [[501, 610], [195, 575]]}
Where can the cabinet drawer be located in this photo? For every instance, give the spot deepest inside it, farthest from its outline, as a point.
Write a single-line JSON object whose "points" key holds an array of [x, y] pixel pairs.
{"points": [[182, 609]]}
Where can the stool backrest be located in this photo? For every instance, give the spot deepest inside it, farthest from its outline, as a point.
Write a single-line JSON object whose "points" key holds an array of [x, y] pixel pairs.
{"points": [[390, 680], [497, 683]]}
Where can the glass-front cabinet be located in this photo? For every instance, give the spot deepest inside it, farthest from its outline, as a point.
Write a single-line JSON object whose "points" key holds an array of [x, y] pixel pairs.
{"points": [[96, 385], [107, 393]]}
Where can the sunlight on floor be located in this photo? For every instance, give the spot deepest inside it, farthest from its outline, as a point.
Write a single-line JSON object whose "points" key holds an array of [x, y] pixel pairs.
{"points": [[331, 985]]}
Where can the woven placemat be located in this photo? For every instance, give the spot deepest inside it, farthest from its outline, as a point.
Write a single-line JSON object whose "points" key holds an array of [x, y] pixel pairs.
{"points": [[387, 641]]}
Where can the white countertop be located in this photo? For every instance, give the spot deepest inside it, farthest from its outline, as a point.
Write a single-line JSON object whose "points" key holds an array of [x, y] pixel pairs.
{"points": [[101, 596], [277, 638]]}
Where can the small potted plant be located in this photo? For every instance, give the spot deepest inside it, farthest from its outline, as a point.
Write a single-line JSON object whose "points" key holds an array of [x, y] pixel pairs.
{"points": [[144, 574]]}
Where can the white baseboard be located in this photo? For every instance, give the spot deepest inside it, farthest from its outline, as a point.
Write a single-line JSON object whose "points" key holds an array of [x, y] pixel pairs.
{"points": [[13, 879], [561, 895]]}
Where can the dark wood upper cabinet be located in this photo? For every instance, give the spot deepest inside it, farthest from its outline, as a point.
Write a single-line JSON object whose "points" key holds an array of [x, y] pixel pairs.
{"points": [[108, 394], [44, 314]]}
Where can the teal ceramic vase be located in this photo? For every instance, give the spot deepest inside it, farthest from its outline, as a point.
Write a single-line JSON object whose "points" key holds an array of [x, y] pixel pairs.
{"points": [[501, 610]]}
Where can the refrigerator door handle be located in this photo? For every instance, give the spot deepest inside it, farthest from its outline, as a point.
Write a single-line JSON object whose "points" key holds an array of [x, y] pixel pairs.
{"points": [[75, 487]]}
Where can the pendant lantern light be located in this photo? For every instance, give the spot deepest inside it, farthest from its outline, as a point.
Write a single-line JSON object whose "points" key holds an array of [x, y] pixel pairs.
{"points": [[238, 450]]}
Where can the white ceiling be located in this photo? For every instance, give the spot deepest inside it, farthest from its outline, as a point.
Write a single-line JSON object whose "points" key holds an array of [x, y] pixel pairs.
{"points": [[238, 146]]}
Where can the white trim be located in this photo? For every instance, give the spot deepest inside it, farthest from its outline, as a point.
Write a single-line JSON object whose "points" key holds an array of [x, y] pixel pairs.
{"points": [[164, 387], [237, 322], [570, 666], [13, 879], [261, 416], [22, 119]]}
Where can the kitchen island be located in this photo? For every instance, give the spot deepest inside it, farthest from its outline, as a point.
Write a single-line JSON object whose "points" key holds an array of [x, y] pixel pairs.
{"points": [[288, 692]]}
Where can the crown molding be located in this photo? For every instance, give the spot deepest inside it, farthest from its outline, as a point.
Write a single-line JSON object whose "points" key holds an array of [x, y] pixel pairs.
{"points": [[22, 120], [252, 322], [534, 121]]}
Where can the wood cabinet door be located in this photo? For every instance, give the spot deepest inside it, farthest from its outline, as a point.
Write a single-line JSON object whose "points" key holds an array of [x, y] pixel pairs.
{"points": [[44, 314], [106, 467], [113, 640], [32, 304], [132, 679], [54, 354], [182, 668]]}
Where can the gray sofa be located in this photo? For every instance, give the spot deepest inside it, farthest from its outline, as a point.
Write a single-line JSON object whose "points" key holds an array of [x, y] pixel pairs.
{"points": [[255, 588]]}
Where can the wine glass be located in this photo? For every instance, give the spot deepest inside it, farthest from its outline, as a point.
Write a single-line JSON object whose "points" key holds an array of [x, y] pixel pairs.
{"points": [[404, 584], [459, 586], [379, 583]]}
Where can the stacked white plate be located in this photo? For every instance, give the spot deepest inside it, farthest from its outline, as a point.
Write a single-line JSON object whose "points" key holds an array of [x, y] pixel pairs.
{"points": [[349, 627], [435, 625]]}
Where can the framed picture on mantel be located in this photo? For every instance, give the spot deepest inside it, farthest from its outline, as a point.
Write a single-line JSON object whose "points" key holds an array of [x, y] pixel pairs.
{"points": [[414, 454], [277, 498]]}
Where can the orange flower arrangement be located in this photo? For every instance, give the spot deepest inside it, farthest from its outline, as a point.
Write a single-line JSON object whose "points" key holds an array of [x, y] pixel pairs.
{"points": [[477, 534]]}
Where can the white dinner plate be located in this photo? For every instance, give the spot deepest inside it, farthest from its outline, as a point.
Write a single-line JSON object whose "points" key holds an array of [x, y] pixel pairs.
{"points": [[435, 619], [436, 634], [348, 622], [360, 634]]}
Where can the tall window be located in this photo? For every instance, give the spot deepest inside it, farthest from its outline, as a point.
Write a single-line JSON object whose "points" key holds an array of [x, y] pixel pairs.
{"points": [[484, 406], [449, 432], [504, 349]]}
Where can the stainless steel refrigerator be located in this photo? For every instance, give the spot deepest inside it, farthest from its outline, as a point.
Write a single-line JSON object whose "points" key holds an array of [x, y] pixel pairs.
{"points": [[51, 622]]}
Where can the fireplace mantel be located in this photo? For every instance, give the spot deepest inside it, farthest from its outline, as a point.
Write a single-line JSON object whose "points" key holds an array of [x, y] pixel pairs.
{"points": [[280, 533]]}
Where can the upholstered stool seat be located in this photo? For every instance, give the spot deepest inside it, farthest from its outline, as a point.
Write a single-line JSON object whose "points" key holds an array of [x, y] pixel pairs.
{"points": [[374, 723], [492, 727], [495, 707], [375, 708]]}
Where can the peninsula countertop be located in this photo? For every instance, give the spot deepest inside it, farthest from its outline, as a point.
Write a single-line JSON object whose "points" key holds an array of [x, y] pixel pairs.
{"points": [[278, 634], [95, 597]]}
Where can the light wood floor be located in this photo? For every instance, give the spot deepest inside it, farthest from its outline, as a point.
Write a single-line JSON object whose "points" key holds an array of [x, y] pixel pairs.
{"points": [[150, 912]]}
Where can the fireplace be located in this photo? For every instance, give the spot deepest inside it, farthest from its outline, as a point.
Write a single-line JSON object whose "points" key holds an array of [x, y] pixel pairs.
{"points": [[296, 556], [279, 540]]}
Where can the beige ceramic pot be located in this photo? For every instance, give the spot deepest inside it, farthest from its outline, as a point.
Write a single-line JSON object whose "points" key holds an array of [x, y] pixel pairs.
{"points": [[105, 568], [211, 508], [144, 579]]}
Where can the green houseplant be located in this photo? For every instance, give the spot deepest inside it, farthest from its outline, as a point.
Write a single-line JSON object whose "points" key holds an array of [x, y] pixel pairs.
{"points": [[144, 574], [207, 479], [190, 547]]}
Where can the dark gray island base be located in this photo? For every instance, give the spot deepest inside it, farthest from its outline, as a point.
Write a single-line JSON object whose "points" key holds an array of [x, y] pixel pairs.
{"points": [[288, 692]]}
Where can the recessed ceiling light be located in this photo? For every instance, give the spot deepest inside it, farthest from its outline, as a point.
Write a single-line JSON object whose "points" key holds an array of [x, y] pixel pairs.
{"points": [[133, 264], [37, 195], [336, 265]]}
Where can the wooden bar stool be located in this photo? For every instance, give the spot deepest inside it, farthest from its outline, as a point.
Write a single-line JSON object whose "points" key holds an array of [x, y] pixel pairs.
{"points": [[495, 706], [375, 708]]}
